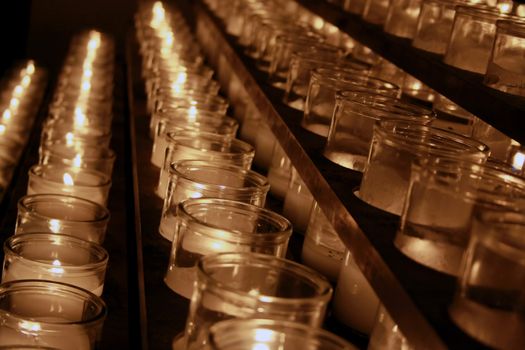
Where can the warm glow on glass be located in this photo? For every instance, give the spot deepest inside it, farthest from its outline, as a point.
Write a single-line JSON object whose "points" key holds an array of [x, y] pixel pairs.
{"points": [[518, 161], [505, 7], [263, 335], [56, 269], [77, 161], [30, 326], [2, 129], [80, 118], [158, 14], [54, 226], [68, 180], [260, 346]]}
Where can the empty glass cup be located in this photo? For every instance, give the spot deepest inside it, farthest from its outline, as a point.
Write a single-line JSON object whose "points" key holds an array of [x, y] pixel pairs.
{"points": [[211, 225], [244, 285], [489, 302], [196, 178], [395, 145], [506, 67], [238, 334], [50, 314], [355, 114], [437, 215], [62, 214]]}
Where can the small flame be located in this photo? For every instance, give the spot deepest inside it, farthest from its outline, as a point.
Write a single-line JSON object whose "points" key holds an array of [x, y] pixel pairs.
{"points": [[80, 118], [54, 226], [86, 85], [26, 80], [260, 346], [94, 41], [19, 90], [2, 129], [6, 116], [57, 270], [87, 72], [68, 180], [518, 161], [69, 139], [181, 78], [192, 113], [159, 14], [77, 161], [14, 103], [30, 326], [30, 69], [263, 335]]}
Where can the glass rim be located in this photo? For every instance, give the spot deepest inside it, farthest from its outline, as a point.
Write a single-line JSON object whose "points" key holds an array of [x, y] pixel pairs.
{"points": [[25, 201], [184, 138], [229, 326], [107, 153], [225, 121], [511, 27], [470, 146], [324, 288], [481, 12], [12, 243], [282, 224], [349, 76], [38, 170], [49, 287], [259, 183]]}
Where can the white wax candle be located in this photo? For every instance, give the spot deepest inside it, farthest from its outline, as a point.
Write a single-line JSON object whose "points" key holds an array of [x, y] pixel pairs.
{"points": [[355, 303], [159, 150], [321, 258], [297, 207], [264, 145], [21, 270], [279, 180]]}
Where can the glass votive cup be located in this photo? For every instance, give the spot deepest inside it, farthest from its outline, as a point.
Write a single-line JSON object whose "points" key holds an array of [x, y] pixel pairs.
{"points": [[203, 146], [452, 117], [355, 114], [441, 198], [202, 122], [80, 156], [88, 184], [246, 285], [402, 16], [212, 225], [172, 96], [498, 142], [70, 134], [506, 67], [322, 250], [488, 303], [61, 214], [472, 38], [279, 172], [321, 95], [59, 258], [387, 71], [298, 202], [239, 334], [375, 11], [434, 25], [354, 6], [355, 303], [264, 144], [45, 313], [386, 333], [302, 64], [200, 178], [395, 145]]}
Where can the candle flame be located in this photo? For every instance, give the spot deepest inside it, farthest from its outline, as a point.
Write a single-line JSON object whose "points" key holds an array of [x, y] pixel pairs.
{"points": [[55, 226], [30, 326], [6, 116], [30, 69], [18, 90], [68, 180], [192, 113], [158, 14], [518, 161], [14, 103], [26, 81], [263, 335], [181, 78], [70, 138], [86, 85], [2, 129], [505, 7], [80, 118], [77, 161], [260, 346], [57, 270]]}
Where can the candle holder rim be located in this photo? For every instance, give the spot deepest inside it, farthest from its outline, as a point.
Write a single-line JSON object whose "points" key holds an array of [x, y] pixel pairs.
{"points": [[37, 170], [187, 136], [107, 153], [350, 76]]}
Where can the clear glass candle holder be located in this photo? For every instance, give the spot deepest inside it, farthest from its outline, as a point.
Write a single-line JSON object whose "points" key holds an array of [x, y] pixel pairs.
{"points": [[196, 178], [298, 202], [506, 67], [244, 285], [88, 184], [264, 143], [71, 133], [61, 214], [386, 333], [322, 250], [451, 116], [238, 334], [78, 155], [321, 95], [355, 303], [211, 225], [488, 303], [442, 195], [395, 145], [168, 91], [45, 313], [402, 16], [354, 6], [302, 64], [375, 11], [203, 146], [279, 172], [59, 258], [202, 122], [355, 114], [472, 38], [434, 25]]}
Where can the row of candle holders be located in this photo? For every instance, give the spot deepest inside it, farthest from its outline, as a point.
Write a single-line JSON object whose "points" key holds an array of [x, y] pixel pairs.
{"points": [[54, 264], [227, 251], [461, 212], [484, 37]]}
